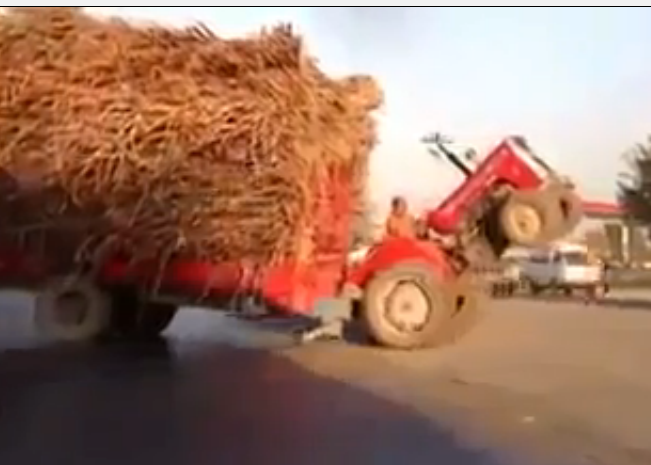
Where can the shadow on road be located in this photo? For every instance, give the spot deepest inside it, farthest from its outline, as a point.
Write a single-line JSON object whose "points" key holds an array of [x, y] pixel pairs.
{"points": [[150, 405]]}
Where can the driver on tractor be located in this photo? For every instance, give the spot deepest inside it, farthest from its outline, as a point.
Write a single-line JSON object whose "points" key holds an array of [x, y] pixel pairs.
{"points": [[400, 222]]}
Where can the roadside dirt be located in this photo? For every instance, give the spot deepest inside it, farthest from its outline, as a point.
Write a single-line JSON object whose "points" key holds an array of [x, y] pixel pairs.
{"points": [[556, 381]]}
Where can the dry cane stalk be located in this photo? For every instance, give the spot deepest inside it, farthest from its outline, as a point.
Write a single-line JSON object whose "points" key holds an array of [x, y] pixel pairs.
{"points": [[167, 142]]}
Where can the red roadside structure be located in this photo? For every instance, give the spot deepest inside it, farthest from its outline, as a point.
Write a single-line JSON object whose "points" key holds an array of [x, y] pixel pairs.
{"points": [[600, 209], [628, 241]]}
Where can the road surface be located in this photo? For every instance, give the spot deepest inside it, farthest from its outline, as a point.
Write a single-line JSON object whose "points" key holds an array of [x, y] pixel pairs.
{"points": [[538, 382]]}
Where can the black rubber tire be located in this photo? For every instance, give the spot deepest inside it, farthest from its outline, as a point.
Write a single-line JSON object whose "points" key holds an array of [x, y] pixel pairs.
{"points": [[96, 312], [512, 288], [155, 318], [548, 214], [536, 289], [373, 310], [134, 319]]}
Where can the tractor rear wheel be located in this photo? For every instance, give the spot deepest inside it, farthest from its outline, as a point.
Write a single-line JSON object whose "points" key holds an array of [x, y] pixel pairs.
{"points": [[406, 307]]}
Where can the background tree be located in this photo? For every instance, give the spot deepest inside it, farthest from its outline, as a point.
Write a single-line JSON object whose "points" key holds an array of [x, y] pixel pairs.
{"points": [[634, 186]]}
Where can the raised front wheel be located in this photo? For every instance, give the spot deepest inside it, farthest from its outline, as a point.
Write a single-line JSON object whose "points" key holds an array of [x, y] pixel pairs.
{"points": [[522, 218], [72, 309], [405, 307], [530, 218]]}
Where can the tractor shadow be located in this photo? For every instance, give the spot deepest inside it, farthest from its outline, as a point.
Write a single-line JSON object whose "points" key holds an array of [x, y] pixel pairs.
{"points": [[144, 404], [190, 399]]}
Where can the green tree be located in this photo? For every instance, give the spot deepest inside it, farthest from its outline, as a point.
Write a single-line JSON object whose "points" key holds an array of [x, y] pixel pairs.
{"points": [[634, 186]]}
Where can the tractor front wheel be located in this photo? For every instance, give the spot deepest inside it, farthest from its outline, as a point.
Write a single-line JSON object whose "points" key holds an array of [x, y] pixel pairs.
{"points": [[526, 218]]}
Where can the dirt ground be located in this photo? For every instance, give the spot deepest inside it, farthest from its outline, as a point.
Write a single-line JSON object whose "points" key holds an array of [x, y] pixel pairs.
{"points": [[555, 378]]}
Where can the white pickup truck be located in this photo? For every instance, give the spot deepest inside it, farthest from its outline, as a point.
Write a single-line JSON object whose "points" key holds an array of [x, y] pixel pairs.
{"points": [[564, 267]]}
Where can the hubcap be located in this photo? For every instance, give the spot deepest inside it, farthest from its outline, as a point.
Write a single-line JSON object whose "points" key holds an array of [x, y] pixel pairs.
{"points": [[70, 308], [407, 307], [526, 221]]}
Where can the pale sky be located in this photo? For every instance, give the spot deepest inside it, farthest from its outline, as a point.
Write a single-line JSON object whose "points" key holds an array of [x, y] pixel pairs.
{"points": [[576, 81]]}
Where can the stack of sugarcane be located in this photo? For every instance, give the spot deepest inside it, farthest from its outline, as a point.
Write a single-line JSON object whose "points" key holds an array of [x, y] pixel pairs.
{"points": [[157, 141]]}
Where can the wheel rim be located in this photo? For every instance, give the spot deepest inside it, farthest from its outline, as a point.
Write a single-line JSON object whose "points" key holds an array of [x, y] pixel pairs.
{"points": [[70, 309], [407, 308], [525, 221]]}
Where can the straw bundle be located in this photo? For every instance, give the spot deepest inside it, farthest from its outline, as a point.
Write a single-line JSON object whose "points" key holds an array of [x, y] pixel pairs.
{"points": [[161, 142]]}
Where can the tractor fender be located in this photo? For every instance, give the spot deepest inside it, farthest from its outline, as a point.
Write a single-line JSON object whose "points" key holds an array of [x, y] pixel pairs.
{"points": [[393, 251]]}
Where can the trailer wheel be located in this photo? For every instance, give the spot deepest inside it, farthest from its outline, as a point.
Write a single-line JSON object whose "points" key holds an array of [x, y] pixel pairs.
{"points": [[527, 217], [72, 309], [155, 318], [405, 307], [134, 319]]}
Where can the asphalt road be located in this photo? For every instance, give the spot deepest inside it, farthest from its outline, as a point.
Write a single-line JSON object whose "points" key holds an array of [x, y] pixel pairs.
{"points": [[536, 383]]}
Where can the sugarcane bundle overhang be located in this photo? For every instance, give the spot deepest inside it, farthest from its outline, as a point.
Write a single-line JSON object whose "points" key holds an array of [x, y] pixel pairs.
{"points": [[169, 141]]}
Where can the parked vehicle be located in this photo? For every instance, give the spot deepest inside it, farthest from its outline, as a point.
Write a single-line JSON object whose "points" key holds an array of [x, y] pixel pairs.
{"points": [[562, 267]]}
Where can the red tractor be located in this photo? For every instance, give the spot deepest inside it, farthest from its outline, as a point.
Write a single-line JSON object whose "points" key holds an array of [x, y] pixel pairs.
{"points": [[417, 293], [511, 198], [406, 293]]}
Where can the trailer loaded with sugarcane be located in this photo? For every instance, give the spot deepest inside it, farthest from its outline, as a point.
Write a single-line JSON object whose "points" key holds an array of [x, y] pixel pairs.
{"points": [[145, 168]]}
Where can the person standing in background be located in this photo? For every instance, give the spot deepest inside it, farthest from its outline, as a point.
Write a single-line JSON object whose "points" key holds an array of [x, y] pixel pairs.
{"points": [[605, 276], [600, 289]]}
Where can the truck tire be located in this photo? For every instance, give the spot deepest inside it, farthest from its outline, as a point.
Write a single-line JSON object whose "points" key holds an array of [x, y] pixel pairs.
{"points": [[134, 319], [526, 218], [72, 309], [406, 307]]}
